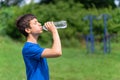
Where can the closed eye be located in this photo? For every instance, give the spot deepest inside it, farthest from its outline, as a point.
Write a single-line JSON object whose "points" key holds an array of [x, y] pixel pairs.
{"points": [[35, 22]]}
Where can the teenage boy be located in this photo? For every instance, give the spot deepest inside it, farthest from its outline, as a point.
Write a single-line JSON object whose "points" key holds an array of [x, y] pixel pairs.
{"points": [[33, 54]]}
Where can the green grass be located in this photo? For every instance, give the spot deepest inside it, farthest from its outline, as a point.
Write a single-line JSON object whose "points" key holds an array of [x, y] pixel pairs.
{"points": [[74, 64]]}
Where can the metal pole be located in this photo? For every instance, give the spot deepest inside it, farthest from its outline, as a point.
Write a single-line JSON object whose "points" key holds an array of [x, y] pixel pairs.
{"points": [[90, 36], [106, 38], [91, 33]]}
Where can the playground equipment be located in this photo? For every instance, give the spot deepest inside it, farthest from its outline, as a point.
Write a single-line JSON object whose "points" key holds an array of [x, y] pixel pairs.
{"points": [[106, 38], [90, 37]]}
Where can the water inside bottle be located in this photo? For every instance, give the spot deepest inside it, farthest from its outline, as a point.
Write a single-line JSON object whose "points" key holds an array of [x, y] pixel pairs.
{"points": [[59, 24]]}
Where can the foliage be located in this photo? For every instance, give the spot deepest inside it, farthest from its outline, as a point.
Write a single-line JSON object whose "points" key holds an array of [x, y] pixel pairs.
{"points": [[87, 3], [97, 3], [7, 3], [72, 12], [90, 3]]}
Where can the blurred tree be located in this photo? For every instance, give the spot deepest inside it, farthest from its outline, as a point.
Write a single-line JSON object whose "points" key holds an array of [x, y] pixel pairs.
{"points": [[97, 3], [9, 2], [46, 1], [88, 3]]}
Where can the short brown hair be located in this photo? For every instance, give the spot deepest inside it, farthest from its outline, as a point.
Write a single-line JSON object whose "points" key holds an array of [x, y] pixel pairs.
{"points": [[23, 22]]}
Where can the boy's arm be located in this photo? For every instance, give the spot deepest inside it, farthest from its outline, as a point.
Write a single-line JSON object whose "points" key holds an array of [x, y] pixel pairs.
{"points": [[56, 50]]}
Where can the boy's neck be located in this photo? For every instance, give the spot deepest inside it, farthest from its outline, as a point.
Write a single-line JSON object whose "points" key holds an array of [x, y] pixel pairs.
{"points": [[32, 39]]}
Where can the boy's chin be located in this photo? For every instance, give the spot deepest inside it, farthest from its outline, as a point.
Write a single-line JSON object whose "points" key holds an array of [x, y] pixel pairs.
{"points": [[41, 32]]}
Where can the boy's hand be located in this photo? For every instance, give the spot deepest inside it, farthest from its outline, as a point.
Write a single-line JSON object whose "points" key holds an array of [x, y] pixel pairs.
{"points": [[50, 26], [55, 50]]}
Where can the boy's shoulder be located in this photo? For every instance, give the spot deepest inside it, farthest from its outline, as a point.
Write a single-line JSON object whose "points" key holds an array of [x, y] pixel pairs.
{"points": [[31, 46]]}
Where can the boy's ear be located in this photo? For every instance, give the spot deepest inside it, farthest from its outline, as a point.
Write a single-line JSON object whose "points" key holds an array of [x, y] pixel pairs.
{"points": [[28, 30]]}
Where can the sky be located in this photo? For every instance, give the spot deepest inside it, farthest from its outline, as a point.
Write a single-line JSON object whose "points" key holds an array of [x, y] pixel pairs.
{"points": [[116, 2], [28, 1]]}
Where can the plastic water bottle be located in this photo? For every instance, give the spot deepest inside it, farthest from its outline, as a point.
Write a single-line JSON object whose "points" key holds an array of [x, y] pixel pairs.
{"points": [[59, 24]]}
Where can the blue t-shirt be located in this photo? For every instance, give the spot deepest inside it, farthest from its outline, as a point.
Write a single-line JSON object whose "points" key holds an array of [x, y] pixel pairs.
{"points": [[36, 67]]}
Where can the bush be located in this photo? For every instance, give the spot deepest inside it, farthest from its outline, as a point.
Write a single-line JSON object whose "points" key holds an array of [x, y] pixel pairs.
{"points": [[72, 12]]}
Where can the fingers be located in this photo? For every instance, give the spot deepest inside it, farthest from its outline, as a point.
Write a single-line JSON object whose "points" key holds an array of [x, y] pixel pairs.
{"points": [[49, 25]]}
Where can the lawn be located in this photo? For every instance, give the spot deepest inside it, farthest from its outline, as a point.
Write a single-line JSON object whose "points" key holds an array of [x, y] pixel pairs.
{"points": [[74, 64]]}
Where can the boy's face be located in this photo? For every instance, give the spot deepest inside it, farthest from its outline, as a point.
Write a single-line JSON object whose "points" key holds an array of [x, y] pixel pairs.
{"points": [[35, 26]]}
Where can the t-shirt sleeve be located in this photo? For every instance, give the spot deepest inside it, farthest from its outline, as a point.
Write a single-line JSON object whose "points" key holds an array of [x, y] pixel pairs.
{"points": [[35, 52]]}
